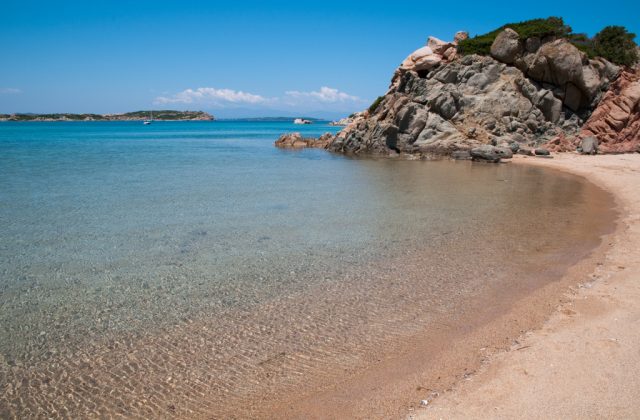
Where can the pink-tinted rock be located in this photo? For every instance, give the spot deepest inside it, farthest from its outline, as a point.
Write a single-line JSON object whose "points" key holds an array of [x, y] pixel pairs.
{"points": [[427, 63], [561, 144], [296, 141], [450, 54], [616, 120], [438, 46]]}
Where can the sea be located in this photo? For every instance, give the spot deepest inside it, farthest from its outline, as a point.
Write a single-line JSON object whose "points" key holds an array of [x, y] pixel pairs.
{"points": [[194, 270]]}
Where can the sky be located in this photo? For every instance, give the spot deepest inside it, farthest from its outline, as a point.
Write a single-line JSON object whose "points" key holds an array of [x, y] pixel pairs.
{"points": [[239, 58]]}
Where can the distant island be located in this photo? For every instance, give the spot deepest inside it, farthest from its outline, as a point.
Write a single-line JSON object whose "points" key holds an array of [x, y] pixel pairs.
{"points": [[159, 115]]}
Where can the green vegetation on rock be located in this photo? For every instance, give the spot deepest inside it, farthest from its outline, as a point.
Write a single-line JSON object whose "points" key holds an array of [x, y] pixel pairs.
{"points": [[616, 44], [539, 28], [375, 104], [613, 43]]}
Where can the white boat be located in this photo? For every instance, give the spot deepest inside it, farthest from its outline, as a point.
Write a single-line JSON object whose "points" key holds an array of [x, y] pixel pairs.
{"points": [[301, 121], [147, 122]]}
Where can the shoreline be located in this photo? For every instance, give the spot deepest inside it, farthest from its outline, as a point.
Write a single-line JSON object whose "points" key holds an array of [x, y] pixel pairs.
{"points": [[583, 361], [432, 365]]}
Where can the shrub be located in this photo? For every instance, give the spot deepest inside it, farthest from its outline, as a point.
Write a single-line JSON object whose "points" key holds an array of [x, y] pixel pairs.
{"points": [[616, 45], [583, 43], [375, 104], [540, 28]]}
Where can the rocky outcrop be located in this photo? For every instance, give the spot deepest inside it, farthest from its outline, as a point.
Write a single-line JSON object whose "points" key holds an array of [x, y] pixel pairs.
{"points": [[296, 141], [527, 93], [616, 121], [614, 125], [472, 101], [507, 46], [433, 54], [575, 80]]}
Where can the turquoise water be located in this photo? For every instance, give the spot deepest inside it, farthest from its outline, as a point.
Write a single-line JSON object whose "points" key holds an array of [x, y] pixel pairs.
{"points": [[198, 252]]}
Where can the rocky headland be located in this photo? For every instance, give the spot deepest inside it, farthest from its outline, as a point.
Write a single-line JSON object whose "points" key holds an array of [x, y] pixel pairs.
{"points": [[515, 90]]}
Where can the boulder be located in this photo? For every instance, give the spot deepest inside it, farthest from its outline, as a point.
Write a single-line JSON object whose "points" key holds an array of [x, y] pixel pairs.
{"points": [[563, 62], [506, 47], [490, 153], [505, 152], [542, 152], [588, 146], [427, 62]]}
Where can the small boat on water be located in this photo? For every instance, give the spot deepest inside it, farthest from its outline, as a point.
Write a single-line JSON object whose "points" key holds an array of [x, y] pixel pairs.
{"points": [[301, 121], [147, 122]]}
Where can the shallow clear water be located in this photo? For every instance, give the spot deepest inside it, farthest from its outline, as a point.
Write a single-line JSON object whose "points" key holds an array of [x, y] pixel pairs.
{"points": [[193, 262]]}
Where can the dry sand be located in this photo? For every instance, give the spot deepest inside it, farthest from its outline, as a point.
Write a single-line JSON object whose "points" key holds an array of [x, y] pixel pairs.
{"points": [[585, 361]]}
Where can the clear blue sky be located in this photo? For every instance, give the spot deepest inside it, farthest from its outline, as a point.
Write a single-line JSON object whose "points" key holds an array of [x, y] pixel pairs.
{"points": [[239, 58]]}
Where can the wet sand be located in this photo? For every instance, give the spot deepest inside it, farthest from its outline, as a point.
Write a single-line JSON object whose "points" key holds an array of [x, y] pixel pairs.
{"points": [[584, 361]]}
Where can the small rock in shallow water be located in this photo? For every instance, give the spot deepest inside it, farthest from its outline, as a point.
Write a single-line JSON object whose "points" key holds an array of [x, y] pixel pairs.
{"points": [[490, 153], [527, 151], [505, 152]]}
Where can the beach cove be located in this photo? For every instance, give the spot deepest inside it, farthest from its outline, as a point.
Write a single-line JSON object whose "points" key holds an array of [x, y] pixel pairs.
{"points": [[197, 287]]}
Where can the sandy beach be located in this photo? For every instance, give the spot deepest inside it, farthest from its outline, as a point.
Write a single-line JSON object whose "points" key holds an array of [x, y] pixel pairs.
{"points": [[584, 362]]}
